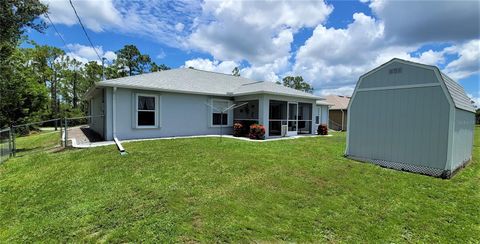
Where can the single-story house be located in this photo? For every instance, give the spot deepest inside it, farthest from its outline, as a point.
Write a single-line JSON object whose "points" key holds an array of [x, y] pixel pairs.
{"points": [[410, 116], [185, 101], [338, 111]]}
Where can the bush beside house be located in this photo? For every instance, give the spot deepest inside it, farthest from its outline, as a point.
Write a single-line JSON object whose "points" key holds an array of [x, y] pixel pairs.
{"points": [[257, 132]]}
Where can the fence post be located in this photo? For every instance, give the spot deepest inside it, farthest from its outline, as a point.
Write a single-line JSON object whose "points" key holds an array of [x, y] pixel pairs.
{"points": [[61, 132], [10, 141], [66, 132], [14, 146]]}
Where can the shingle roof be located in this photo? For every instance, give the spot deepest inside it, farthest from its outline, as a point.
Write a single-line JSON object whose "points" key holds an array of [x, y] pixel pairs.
{"points": [[338, 102], [186, 80], [459, 97]]}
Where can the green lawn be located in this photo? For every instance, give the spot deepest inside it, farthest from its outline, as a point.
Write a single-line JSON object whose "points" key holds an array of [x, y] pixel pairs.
{"points": [[200, 190]]}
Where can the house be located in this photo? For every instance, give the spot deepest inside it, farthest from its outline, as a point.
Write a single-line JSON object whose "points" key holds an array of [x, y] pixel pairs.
{"points": [[338, 111], [185, 101], [410, 116]]}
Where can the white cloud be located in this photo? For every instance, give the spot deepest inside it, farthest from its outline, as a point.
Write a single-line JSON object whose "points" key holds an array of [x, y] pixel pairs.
{"points": [[110, 56], [179, 27], [256, 31], [342, 91], [339, 56], [335, 58], [476, 100], [161, 54], [225, 67], [162, 21], [96, 15], [468, 62], [85, 54]]}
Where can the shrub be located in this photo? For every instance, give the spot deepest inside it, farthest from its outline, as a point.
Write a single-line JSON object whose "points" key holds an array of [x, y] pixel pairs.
{"points": [[322, 130], [238, 129], [257, 132]]}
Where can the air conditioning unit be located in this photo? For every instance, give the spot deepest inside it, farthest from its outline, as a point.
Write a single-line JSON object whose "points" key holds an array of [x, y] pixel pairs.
{"points": [[284, 130]]}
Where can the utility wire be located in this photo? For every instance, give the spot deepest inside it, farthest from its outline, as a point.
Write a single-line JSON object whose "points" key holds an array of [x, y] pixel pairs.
{"points": [[58, 33], [85, 31]]}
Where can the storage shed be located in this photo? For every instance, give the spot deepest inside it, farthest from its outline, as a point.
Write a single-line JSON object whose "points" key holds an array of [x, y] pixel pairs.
{"points": [[410, 116]]}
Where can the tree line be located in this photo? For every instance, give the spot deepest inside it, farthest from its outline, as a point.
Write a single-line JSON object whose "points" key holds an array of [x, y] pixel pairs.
{"points": [[40, 82]]}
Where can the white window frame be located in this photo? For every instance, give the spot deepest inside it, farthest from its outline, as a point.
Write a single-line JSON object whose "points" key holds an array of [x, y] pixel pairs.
{"points": [[229, 112], [157, 105]]}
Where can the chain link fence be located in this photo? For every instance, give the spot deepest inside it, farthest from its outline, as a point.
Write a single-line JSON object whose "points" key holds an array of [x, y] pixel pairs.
{"points": [[6, 145], [48, 135]]}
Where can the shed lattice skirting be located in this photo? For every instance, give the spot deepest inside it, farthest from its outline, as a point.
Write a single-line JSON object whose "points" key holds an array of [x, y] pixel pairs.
{"points": [[406, 167]]}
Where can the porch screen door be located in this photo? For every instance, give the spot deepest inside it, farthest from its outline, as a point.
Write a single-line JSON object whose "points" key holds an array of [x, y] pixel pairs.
{"points": [[292, 119]]}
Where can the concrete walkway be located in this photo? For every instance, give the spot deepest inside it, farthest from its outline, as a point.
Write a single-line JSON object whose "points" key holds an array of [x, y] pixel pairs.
{"points": [[79, 138]]}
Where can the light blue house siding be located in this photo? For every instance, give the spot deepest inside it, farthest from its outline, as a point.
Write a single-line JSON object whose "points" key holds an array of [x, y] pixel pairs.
{"points": [[180, 114], [462, 138], [402, 115]]}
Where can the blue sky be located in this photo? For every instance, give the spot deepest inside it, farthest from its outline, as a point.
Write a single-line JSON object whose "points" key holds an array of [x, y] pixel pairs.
{"points": [[329, 43]]}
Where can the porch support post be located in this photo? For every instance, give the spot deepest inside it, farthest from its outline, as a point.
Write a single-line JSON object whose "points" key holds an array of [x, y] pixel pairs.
{"points": [[263, 112]]}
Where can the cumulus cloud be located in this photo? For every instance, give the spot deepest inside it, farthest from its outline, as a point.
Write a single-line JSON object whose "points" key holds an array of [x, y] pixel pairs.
{"points": [[335, 58], [225, 67], [255, 31], [468, 62], [96, 15], [85, 54], [428, 21]]}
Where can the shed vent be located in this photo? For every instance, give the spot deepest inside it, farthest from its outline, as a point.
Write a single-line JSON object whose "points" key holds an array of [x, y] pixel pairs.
{"points": [[395, 71]]}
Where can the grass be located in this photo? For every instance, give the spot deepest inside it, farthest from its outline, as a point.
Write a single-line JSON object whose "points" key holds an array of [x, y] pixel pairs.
{"points": [[198, 190]]}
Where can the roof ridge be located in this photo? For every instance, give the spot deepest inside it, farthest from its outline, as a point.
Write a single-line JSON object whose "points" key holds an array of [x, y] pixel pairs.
{"points": [[209, 71]]}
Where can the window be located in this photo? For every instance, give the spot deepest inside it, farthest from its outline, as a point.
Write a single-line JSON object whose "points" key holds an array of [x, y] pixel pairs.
{"points": [[146, 111], [219, 118]]}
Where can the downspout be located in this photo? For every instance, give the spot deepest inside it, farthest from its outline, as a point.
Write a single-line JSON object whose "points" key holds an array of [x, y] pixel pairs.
{"points": [[114, 112], [114, 123]]}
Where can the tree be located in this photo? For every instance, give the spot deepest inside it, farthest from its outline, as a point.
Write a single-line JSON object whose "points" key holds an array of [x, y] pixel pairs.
{"points": [[155, 68], [15, 16], [92, 72], [22, 98], [236, 71], [297, 82], [131, 62]]}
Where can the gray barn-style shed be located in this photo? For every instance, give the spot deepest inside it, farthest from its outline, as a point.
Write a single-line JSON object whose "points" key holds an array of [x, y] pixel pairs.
{"points": [[410, 116]]}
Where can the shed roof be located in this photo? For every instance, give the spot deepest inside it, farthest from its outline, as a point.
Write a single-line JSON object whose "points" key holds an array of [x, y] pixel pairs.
{"points": [[194, 81], [459, 97], [338, 102]]}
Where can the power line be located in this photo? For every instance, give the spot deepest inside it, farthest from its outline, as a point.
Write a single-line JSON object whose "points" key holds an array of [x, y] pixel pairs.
{"points": [[58, 33], [85, 31]]}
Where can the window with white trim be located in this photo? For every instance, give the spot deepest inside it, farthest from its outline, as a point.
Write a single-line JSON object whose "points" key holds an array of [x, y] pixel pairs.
{"points": [[146, 114], [219, 118]]}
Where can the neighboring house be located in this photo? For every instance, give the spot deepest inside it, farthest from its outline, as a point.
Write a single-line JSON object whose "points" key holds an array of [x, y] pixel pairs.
{"points": [[338, 111], [412, 117], [181, 102]]}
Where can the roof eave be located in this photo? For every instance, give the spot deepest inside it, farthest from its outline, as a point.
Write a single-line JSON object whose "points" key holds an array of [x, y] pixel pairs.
{"points": [[277, 93]]}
